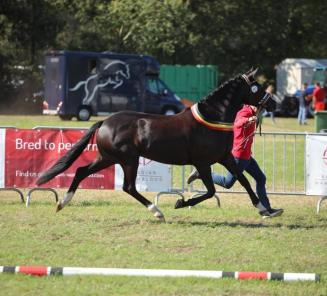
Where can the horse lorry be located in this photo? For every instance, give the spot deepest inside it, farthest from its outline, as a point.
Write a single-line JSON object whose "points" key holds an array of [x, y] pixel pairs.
{"points": [[81, 84], [290, 75]]}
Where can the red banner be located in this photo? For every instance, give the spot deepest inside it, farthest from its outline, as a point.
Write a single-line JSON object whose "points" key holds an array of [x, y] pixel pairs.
{"points": [[28, 153]]}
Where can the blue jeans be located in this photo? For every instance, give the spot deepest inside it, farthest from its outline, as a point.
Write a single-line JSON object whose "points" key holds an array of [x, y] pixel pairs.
{"points": [[251, 167], [302, 116]]}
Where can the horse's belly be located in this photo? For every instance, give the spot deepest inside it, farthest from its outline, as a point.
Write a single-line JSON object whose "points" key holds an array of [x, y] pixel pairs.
{"points": [[181, 154], [167, 156], [210, 152]]}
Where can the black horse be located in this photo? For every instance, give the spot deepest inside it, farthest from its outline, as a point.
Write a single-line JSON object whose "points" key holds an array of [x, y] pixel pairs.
{"points": [[198, 136]]}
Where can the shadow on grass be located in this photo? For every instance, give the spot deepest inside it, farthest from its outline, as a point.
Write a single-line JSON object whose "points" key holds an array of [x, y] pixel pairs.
{"points": [[248, 225], [99, 203]]}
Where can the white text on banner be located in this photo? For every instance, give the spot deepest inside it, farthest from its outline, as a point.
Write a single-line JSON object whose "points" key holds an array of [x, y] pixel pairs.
{"points": [[152, 176]]}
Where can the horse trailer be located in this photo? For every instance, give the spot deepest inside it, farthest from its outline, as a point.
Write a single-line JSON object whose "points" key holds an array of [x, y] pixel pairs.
{"points": [[82, 84]]}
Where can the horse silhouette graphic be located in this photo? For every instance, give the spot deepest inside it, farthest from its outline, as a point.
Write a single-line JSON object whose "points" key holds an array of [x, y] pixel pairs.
{"points": [[116, 80]]}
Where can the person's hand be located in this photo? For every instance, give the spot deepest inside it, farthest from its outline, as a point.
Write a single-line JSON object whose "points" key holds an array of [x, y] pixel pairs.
{"points": [[253, 119], [308, 97]]}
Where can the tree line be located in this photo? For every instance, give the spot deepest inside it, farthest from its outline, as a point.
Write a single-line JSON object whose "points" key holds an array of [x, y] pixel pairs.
{"points": [[232, 34]]}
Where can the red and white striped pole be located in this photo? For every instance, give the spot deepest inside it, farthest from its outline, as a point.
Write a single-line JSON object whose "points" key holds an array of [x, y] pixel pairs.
{"points": [[240, 275]]}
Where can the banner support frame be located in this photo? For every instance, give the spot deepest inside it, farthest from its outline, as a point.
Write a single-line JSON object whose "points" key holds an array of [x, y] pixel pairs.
{"points": [[28, 197]]}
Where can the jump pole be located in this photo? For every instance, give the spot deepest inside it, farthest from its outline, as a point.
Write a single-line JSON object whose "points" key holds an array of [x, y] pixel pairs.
{"points": [[239, 275]]}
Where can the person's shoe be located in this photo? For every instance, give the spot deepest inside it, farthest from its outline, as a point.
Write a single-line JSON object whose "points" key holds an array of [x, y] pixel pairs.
{"points": [[193, 176], [271, 213], [264, 214], [276, 212]]}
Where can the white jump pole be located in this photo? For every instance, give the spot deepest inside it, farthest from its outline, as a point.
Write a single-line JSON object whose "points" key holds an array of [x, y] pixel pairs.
{"points": [[240, 275]]}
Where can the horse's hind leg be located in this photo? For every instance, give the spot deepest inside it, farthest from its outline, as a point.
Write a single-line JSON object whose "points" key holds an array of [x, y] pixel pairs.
{"points": [[205, 175], [130, 173], [80, 175]]}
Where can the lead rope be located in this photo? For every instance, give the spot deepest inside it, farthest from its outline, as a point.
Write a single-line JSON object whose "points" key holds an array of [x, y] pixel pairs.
{"points": [[259, 116], [259, 111]]}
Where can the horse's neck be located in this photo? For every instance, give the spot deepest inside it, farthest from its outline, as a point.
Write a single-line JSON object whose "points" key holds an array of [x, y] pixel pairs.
{"points": [[222, 110], [223, 103]]}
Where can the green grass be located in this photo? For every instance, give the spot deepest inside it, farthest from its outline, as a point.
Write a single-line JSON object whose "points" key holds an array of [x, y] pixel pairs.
{"points": [[30, 121], [109, 229]]}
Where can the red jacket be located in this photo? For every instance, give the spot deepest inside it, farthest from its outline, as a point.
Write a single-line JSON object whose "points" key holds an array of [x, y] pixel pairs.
{"points": [[319, 94], [243, 133]]}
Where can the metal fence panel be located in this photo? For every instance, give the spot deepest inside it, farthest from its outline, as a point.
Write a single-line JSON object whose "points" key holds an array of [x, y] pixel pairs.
{"points": [[282, 158]]}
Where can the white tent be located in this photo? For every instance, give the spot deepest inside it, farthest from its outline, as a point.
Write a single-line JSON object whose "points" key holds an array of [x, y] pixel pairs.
{"points": [[291, 73]]}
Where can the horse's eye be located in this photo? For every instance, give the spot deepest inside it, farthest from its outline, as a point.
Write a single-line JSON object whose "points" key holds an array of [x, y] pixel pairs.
{"points": [[254, 88]]}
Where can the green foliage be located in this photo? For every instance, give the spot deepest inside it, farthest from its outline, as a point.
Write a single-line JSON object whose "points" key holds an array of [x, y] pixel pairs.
{"points": [[234, 35], [27, 29], [153, 27]]}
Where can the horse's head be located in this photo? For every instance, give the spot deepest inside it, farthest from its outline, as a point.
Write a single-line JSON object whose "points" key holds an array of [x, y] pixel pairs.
{"points": [[223, 103], [256, 94], [123, 71]]}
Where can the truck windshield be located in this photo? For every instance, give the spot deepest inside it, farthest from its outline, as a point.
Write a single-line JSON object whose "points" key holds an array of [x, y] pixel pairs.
{"points": [[155, 85]]}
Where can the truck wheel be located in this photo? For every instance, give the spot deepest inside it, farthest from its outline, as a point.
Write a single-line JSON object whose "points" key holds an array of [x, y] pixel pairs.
{"points": [[84, 114], [293, 107], [290, 106], [169, 111]]}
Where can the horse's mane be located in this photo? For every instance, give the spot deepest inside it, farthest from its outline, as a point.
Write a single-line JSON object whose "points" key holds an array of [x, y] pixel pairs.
{"points": [[222, 90], [225, 92]]}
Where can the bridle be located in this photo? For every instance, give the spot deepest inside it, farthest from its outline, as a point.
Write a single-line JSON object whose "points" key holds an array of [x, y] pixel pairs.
{"points": [[265, 98], [261, 103]]}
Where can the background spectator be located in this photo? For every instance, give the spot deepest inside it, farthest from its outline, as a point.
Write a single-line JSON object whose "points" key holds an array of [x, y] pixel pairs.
{"points": [[319, 95], [304, 102], [270, 89]]}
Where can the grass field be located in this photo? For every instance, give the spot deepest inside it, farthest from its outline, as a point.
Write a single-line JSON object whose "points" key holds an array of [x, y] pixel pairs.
{"points": [[102, 229], [110, 229], [30, 121]]}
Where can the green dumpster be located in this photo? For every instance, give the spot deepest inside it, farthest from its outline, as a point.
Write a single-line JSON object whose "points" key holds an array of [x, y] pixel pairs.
{"points": [[191, 82], [320, 121]]}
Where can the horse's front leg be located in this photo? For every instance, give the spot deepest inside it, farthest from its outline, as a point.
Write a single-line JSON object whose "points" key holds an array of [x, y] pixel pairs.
{"points": [[205, 175]]}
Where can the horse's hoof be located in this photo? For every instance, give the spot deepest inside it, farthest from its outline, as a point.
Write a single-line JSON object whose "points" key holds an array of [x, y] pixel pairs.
{"points": [[59, 207], [161, 218], [180, 203]]}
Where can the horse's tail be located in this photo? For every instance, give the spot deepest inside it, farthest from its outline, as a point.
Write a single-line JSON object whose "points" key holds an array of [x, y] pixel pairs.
{"points": [[67, 160]]}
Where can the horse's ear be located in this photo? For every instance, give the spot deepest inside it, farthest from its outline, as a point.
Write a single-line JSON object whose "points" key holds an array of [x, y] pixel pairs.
{"points": [[252, 73], [248, 72]]}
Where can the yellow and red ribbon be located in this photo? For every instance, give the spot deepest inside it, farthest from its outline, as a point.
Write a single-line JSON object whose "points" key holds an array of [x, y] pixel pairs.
{"points": [[214, 125]]}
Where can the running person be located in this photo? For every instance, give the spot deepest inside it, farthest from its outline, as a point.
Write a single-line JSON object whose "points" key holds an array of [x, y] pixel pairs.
{"points": [[244, 129]]}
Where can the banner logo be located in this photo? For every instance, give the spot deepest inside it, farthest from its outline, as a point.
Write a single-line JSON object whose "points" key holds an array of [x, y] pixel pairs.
{"points": [[324, 157]]}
